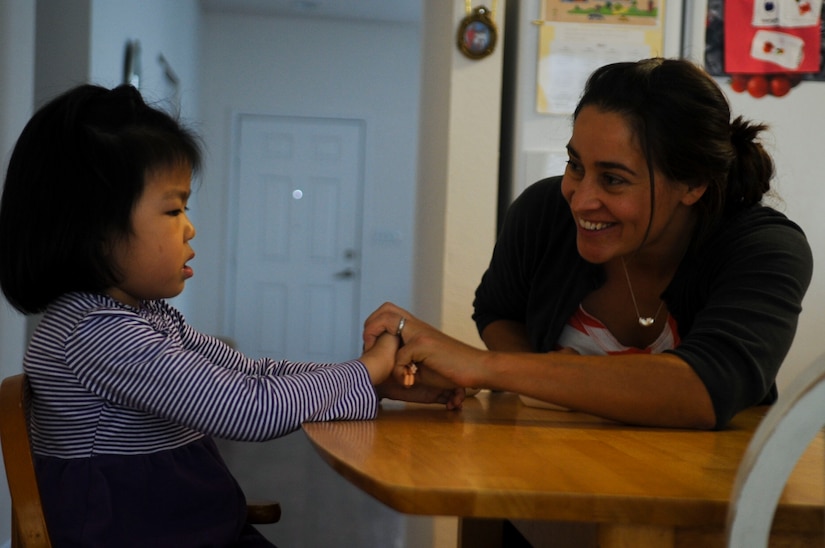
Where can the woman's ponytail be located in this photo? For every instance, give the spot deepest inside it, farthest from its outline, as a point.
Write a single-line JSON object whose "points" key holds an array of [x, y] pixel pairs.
{"points": [[750, 175]]}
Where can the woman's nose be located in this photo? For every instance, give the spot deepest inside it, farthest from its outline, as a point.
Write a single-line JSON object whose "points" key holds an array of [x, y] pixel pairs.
{"points": [[585, 196]]}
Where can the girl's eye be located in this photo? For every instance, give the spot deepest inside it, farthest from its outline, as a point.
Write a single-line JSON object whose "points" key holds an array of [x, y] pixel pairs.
{"points": [[176, 212]]}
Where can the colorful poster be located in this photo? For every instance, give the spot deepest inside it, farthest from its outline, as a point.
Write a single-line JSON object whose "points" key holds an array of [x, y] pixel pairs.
{"points": [[636, 12], [578, 36]]}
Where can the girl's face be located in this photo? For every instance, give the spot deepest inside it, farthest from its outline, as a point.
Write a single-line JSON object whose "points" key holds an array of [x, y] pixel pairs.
{"points": [[607, 186], [152, 260]]}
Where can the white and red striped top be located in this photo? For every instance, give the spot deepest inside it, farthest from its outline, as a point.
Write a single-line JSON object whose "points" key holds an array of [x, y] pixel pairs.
{"points": [[588, 336]]}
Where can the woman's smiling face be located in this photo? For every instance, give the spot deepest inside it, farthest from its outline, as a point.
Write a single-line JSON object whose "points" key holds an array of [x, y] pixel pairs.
{"points": [[607, 186]]}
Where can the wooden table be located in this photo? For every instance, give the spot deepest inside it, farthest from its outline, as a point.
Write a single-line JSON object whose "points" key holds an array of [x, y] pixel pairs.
{"points": [[617, 485]]}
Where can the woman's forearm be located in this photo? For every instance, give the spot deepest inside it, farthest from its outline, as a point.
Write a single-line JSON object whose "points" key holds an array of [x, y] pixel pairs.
{"points": [[645, 389]]}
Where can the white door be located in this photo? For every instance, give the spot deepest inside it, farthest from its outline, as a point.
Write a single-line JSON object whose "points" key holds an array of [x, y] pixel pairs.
{"points": [[293, 293], [295, 277]]}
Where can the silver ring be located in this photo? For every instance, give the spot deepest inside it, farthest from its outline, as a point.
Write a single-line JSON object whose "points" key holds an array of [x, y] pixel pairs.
{"points": [[401, 325]]}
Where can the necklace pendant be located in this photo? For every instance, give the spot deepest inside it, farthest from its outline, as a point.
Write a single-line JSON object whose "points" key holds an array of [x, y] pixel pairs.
{"points": [[644, 321]]}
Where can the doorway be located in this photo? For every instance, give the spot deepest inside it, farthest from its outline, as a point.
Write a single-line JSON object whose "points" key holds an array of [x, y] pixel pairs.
{"points": [[294, 278], [293, 293]]}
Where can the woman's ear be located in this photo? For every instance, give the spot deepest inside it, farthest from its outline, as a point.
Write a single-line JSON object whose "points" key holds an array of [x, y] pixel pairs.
{"points": [[694, 193]]}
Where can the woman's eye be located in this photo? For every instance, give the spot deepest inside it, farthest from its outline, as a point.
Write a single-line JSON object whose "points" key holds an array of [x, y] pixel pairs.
{"points": [[573, 166], [610, 180]]}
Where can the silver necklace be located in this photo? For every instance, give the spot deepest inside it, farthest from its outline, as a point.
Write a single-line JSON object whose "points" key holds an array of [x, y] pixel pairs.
{"points": [[643, 321]]}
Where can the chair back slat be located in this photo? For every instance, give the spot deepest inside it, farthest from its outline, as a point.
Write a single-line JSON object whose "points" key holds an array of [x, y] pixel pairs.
{"points": [[784, 434], [28, 522]]}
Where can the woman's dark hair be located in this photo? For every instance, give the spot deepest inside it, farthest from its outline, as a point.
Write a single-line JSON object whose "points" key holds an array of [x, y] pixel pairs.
{"points": [[74, 177], [682, 121]]}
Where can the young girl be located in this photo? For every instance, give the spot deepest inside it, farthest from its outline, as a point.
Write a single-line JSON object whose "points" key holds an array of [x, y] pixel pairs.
{"points": [[126, 395]]}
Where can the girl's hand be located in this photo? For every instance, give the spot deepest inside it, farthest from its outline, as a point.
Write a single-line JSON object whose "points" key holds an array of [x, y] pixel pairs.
{"points": [[380, 358]]}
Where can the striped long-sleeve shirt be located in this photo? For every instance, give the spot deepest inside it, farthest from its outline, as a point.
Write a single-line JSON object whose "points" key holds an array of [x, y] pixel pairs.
{"points": [[110, 379], [125, 403]]}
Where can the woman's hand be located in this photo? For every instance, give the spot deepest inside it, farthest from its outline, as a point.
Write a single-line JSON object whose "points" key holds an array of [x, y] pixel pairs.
{"points": [[421, 393], [387, 319], [440, 359]]}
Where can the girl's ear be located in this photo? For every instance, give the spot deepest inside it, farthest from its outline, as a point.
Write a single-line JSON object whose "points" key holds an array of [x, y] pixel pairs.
{"points": [[694, 193]]}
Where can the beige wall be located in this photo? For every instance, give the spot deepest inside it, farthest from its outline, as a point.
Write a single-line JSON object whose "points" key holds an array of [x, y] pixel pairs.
{"points": [[458, 171], [457, 182]]}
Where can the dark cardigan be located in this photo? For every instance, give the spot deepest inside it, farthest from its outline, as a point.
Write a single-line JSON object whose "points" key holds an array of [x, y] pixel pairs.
{"points": [[736, 299]]}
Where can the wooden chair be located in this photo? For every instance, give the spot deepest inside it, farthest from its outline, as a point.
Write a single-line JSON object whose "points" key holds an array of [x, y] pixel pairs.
{"points": [[777, 444], [28, 525]]}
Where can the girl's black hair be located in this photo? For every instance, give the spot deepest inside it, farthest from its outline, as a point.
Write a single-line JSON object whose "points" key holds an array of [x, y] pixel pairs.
{"points": [[74, 177], [682, 121]]}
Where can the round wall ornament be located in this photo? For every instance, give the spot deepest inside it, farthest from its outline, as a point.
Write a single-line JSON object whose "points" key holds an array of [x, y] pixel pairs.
{"points": [[477, 33]]}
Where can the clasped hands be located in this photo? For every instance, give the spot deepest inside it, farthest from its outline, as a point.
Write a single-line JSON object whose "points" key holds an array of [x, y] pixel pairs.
{"points": [[429, 366]]}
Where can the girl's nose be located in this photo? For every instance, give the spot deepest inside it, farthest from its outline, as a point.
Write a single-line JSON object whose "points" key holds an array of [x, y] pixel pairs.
{"points": [[189, 232]]}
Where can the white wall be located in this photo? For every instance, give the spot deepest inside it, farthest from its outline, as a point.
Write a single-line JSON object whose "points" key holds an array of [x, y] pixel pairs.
{"points": [[16, 100], [458, 172], [312, 67], [796, 124], [320, 68], [163, 28], [794, 138], [16, 106], [62, 46]]}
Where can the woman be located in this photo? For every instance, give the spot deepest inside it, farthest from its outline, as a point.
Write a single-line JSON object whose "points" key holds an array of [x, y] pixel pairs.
{"points": [[647, 285]]}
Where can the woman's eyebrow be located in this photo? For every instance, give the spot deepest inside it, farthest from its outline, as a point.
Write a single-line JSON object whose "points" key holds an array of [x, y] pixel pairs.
{"points": [[603, 164]]}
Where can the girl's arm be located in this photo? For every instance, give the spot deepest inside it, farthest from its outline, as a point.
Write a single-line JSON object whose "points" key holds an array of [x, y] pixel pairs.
{"points": [[222, 355], [123, 359]]}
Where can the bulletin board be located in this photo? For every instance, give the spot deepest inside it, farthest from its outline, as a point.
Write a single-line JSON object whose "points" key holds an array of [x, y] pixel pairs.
{"points": [[758, 36], [772, 36]]}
